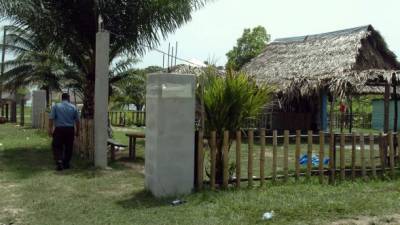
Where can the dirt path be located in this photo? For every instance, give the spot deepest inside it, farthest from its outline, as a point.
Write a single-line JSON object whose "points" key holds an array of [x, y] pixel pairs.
{"points": [[376, 220]]}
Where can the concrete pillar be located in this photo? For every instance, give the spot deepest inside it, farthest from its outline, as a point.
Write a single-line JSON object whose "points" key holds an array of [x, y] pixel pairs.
{"points": [[101, 99], [13, 113], [38, 106], [170, 116]]}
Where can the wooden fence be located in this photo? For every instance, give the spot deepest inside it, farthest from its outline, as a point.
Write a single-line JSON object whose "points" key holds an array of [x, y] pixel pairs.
{"points": [[359, 120], [279, 157], [118, 118], [84, 143]]}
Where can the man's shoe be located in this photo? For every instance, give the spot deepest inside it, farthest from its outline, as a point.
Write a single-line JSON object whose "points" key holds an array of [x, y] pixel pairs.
{"points": [[59, 166]]}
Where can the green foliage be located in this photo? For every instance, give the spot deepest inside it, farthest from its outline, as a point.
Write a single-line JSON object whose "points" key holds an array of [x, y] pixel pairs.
{"points": [[248, 46], [72, 26], [229, 101]]}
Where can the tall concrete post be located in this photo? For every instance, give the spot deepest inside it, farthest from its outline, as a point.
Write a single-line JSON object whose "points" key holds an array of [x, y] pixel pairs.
{"points": [[38, 106], [170, 116], [101, 99]]}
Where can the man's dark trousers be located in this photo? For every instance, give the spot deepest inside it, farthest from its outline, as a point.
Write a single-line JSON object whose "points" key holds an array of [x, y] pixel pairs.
{"points": [[63, 142]]}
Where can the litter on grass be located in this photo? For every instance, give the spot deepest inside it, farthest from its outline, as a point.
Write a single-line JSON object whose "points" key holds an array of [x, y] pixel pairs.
{"points": [[177, 202], [268, 215], [314, 160]]}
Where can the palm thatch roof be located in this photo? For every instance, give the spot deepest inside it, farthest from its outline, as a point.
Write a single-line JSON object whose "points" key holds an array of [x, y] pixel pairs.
{"points": [[341, 62]]}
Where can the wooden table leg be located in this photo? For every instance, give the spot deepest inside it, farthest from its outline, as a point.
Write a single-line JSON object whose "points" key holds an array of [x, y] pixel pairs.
{"points": [[112, 153], [130, 147], [134, 149]]}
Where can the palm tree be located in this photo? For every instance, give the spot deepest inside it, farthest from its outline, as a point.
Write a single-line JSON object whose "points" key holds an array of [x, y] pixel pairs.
{"points": [[36, 63], [72, 25]]}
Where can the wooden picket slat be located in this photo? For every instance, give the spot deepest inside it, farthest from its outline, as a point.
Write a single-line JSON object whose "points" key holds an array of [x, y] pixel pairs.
{"points": [[342, 157], [353, 156], [372, 154], [321, 157], [382, 153], [274, 153], [309, 153], [262, 156], [297, 154], [363, 166], [286, 155], [391, 154], [331, 159], [225, 178], [200, 160], [213, 159], [250, 157], [238, 161]]}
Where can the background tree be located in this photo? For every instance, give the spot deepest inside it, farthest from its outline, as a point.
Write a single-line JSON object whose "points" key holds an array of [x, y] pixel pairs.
{"points": [[248, 46], [134, 25]]}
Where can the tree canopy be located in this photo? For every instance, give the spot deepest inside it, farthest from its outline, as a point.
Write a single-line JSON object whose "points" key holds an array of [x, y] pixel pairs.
{"points": [[71, 25], [248, 46]]}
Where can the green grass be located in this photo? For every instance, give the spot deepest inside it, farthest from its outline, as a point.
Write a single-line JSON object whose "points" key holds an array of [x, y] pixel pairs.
{"points": [[31, 192]]}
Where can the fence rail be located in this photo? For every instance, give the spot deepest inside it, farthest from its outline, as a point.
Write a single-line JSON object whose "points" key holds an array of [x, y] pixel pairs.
{"points": [[340, 156], [119, 118]]}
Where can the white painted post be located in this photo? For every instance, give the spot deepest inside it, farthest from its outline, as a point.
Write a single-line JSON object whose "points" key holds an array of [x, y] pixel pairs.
{"points": [[101, 99], [38, 106]]}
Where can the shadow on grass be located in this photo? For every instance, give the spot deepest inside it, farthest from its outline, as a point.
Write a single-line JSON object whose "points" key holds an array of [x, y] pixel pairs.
{"points": [[144, 199]]}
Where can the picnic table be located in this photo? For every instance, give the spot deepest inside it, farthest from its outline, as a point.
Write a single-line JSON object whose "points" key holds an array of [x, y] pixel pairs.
{"points": [[132, 142]]}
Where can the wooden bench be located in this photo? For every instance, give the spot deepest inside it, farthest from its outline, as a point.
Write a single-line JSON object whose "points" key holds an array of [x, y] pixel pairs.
{"points": [[132, 142], [112, 143]]}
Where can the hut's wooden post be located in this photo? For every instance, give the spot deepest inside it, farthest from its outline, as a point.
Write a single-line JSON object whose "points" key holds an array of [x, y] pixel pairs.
{"points": [[262, 156], [213, 159], [238, 156], [225, 178], [274, 153], [321, 157], [297, 154], [386, 107], [200, 160], [250, 158], [309, 153], [391, 154], [286, 155], [363, 167], [353, 156], [342, 157], [372, 154]]}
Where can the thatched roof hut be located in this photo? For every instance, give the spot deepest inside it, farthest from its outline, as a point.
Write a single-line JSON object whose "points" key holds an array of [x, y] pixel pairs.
{"points": [[341, 62]]}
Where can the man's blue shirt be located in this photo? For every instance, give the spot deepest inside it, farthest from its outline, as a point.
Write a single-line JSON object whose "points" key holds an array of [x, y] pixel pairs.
{"points": [[64, 114]]}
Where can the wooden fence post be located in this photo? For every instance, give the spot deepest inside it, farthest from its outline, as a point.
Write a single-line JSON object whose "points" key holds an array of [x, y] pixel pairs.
{"points": [[342, 157], [362, 146], [213, 158], [309, 153], [262, 156], [297, 154], [382, 152], [372, 154], [225, 178], [331, 159], [238, 151], [274, 153], [321, 157], [286, 155], [391, 154], [353, 156], [200, 160], [250, 158]]}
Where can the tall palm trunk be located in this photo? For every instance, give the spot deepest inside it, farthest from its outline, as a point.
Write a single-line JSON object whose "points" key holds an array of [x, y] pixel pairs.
{"points": [[88, 97]]}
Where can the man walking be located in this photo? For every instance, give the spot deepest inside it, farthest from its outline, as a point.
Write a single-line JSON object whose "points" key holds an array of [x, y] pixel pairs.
{"points": [[63, 120]]}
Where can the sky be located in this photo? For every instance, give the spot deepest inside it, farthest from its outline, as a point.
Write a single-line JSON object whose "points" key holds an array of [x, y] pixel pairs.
{"points": [[214, 29]]}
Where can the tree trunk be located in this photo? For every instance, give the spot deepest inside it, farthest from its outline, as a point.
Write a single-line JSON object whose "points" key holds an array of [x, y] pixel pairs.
{"points": [[47, 89], [88, 97]]}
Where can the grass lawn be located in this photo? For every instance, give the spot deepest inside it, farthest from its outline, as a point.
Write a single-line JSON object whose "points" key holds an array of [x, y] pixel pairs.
{"points": [[31, 192]]}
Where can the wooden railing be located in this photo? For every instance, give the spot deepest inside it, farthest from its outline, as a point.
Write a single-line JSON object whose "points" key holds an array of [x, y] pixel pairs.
{"points": [[118, 118], [278, 157]]}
